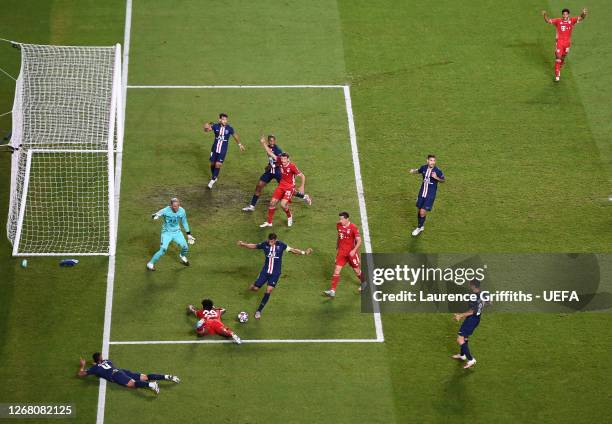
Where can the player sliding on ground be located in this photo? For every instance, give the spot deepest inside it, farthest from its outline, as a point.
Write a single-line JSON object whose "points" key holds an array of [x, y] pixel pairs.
{"points": [[564, 26], [471, 319], [171, 231], [271, 172], [209, 321], [273, 250], [432, 175], [222, 131], [348, 244], [104, 368], [286, 188]]}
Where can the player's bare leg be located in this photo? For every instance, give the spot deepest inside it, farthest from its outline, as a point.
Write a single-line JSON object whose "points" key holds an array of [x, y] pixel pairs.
{"points": [[421, 215], [214, 171], [258, 189], [271, 212], [285, 206], [334, 282]]}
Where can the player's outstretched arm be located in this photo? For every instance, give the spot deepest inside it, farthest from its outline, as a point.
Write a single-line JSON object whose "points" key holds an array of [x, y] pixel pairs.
{"points": [[157, 214], [546, 18], [414, 170], [82, 372], [240, 145], [295, 251], [583, 15], [207, 127], [247, 245], [264, 144], [193, 310]]}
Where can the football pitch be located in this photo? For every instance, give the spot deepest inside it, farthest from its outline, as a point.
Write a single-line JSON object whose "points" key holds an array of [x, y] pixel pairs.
{"points": [[358, 93]]}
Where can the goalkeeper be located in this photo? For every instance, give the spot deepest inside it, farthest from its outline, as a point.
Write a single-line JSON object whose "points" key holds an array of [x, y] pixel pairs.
{"points": [[171, 231]]}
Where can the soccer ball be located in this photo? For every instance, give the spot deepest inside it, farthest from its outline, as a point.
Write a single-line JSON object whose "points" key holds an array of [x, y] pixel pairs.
{"points": [[243, 317]]}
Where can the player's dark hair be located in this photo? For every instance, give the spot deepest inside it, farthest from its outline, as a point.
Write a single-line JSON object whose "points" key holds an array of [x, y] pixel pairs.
{"points": [[207, 304], [96, 357], [272, 236], [344, 214], [285, 155], [475, 283], [271, 137], [431, 157], [222, 115], [565, 10]]}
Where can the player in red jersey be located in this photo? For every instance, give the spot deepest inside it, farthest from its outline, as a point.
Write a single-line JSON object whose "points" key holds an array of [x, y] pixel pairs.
{"points": [[349, 242], [565, 26], [209, 321], [286, 188]]}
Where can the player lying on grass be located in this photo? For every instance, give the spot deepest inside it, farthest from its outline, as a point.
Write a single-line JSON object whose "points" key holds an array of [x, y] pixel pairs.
{"points": [[347, 245], [104, 368], [171, 231], [471, 319], [432, 175], [564, 26], [273, 250], [286, 187], [209, 321], [222, 131], [271, 172]]}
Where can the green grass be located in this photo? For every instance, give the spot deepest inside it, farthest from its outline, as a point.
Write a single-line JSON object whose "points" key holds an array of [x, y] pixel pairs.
{"points": [[528, 164]]}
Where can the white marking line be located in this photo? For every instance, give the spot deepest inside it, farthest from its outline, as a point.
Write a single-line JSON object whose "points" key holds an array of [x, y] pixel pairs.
{"points": [[196, 341], [110, 280], [380, 336], [232, 86]]}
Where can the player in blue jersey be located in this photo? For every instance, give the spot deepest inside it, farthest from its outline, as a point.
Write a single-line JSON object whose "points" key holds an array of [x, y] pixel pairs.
{"points": [[273, 250], [432, 175], [223, 131], [104, 368], [471, 319], [271, 172], [174, 216]]}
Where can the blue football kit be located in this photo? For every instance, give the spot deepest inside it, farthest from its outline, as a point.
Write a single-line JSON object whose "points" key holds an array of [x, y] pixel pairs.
{"points": [[429, 187], [271, 270], [221, 142]]}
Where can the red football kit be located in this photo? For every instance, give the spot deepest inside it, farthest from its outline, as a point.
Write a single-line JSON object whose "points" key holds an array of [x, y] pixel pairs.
{"points": [[286, 186], [212, 323], [347, 239], [564, 34]]}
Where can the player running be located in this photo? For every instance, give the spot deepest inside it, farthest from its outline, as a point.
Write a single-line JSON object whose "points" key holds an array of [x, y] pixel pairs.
{"points": [[104, 368], [171, 231], [348, 244], [286, 188], [471, 319], [432, 175], [209, 321], [271, 172], [564, 26], [222, 131], [273, 250]]}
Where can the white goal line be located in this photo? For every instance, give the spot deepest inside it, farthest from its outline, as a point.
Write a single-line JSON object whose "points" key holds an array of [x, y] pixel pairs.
{"points": [[195, 341], [238, 86]]}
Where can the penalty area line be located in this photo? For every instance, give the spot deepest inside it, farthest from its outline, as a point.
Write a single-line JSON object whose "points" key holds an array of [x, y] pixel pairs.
{"points": [[174, 342]]}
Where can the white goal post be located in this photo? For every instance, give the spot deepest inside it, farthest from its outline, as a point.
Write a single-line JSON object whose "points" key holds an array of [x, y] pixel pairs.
{"points": [[67, 128]]}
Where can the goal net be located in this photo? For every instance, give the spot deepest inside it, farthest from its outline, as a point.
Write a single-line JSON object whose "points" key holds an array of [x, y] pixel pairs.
{"points": [[67, 127]]}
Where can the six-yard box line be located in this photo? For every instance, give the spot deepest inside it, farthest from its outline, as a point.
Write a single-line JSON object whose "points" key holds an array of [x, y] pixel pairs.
{"points": [[362, 210]]}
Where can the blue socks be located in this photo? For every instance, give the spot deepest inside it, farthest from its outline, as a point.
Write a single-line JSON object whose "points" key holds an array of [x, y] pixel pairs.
{"points": [[254, 200], [214, 171], [264, 300], [420, 220], [152, 377], [465, 350], [142, 384]]}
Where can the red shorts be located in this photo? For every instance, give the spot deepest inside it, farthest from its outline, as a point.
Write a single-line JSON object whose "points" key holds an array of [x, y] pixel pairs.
{"points": [[343, 257], [211, 327], [283, 193], [562, 47]]}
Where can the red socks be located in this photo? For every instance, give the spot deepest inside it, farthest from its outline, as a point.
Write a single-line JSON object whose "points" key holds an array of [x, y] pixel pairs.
{"points": [[288, 212], [271, 214], [557, 67], [335, 280]]}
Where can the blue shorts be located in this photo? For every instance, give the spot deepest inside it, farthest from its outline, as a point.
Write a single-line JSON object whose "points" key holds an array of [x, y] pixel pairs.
{"points": [[468, 326], [218, 156], [425, 202], [123, 377], [265, 278], [266, 177]]}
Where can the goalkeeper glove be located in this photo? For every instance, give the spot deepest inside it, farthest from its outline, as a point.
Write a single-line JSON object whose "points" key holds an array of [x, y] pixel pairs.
{"points": [[190, 239], [155, 216]]}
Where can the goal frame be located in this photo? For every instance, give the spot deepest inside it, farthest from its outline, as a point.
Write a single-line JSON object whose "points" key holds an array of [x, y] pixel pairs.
{"points": [[116, 123]]}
